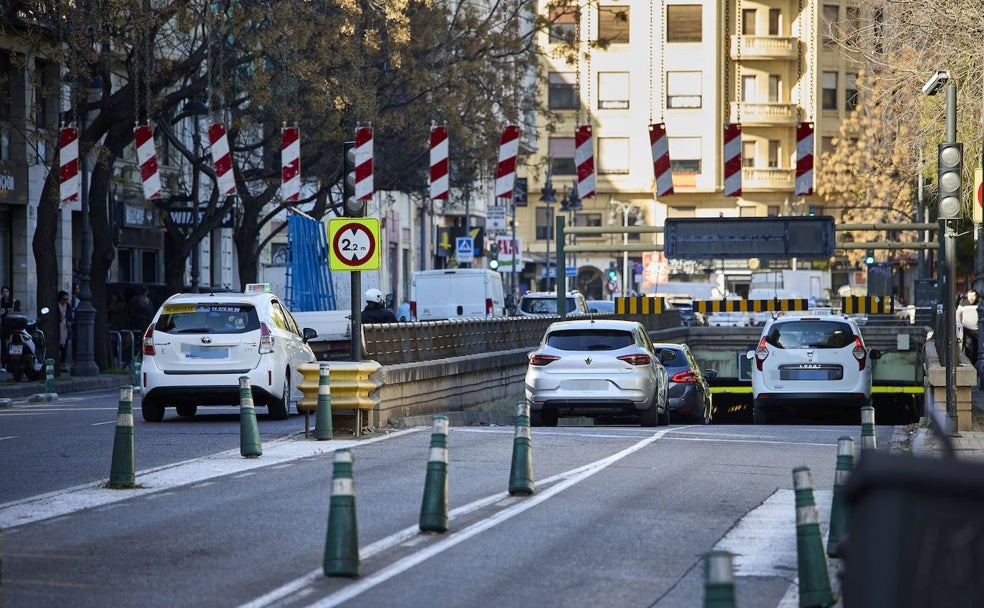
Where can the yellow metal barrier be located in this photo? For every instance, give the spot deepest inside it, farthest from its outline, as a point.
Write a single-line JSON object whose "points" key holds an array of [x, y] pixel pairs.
{"points": [[876, 305], [639, 305], [713, 306], [352, 388]]}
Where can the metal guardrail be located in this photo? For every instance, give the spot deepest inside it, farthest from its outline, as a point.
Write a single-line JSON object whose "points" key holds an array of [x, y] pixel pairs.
{"points": [[122, 348]]}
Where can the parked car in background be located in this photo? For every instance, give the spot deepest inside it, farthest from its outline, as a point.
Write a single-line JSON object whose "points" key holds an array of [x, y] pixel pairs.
{"points": [[456, 293], [810, 365], [601, 306], [596, 367], [199, 344], [543, 303], [689, 394], [730, 319]]}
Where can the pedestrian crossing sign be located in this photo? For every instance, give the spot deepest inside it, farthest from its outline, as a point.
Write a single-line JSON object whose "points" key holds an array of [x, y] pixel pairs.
{"points": [[465, 248]]}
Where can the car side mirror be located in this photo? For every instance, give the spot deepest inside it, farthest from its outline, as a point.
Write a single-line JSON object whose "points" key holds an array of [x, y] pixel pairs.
{"points": [[750, 354], [309, 333], [874, 353]]}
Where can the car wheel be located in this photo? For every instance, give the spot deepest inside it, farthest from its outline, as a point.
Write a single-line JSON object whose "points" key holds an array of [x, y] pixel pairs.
{"points": [[152, 410], [708, 410], [549, 417], [664, 418], [186, 410], [760, 416], [650, 416], [279, 407]]}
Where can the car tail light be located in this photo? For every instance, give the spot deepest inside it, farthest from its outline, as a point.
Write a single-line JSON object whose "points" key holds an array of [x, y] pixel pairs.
{"points": [[541, 360], [489, 309], [687, 376], [860, 353], [413, 310], [148, 342], [637, 359], [761, 354], [266, 340]]}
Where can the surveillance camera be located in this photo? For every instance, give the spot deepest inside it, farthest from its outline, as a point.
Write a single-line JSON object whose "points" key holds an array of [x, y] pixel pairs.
{"points": [[934, 84]]}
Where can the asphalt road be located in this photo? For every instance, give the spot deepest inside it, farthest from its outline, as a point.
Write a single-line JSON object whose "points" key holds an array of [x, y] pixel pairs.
{"points": [[621, 516]]}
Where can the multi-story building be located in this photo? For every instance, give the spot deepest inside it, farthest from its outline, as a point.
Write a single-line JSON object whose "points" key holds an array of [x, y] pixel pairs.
{"points": [[693, 66]]}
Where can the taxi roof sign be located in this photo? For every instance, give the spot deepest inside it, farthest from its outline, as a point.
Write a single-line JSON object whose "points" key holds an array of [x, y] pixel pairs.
{"points": [[257, 288]]}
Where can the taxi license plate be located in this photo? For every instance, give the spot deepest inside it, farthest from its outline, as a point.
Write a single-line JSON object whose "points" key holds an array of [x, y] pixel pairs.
{"points": [[207, 352]]}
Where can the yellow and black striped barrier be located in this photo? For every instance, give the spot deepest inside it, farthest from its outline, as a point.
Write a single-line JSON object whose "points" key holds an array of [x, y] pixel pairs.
{"points": [[639, 305], [715, 306], [874, 305]]}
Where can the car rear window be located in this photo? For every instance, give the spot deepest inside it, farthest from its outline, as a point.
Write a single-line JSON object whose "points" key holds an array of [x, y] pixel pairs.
{"points": [[208, 319], [543, 305], [576, 339], [811, 334]]}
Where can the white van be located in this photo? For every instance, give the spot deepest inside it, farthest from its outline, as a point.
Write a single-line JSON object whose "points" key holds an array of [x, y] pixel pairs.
{"points": [[456, 293]]}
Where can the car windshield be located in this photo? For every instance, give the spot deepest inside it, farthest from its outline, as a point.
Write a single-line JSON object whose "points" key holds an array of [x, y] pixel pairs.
{"points": [[589, 339], [810, 334], [543, 305], [208, 318]]}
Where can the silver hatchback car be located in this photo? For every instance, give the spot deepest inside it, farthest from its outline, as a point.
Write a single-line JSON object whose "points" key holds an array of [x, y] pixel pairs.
{"points": [[596, 367]]}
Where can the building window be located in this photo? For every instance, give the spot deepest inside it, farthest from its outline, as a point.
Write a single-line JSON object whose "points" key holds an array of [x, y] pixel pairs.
{"points": [[613, 155], [827, 145], [773, 211], [562, 94], [684, 155], [831, 16], [563, 24], [853, 24], [749, 89], [683, 89], [561, 151], [544, 224], [683, 23], [613, 24], [850, 91], [587, 220], [748, 154], [775, 22], [775, 153], [829, 95], [613, 90], [748, 21], [774, 88]]}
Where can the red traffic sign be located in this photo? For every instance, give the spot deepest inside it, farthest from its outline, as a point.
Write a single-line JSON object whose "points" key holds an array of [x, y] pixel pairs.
{"points": [[354, 243]]}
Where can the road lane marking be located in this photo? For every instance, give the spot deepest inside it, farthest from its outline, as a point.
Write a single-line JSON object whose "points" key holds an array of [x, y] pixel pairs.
{"points": [[151, 481], [515, 506]]}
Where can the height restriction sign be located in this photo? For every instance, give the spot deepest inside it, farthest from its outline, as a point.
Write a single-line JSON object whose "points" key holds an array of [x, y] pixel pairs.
{"points": [[354, 243]]}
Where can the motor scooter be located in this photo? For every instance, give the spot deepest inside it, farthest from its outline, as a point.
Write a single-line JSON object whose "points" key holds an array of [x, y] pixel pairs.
{"points": [[26, 348]]}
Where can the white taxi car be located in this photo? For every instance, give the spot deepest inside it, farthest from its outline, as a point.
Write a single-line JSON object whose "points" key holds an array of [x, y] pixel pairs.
{"points": [[199, 345], [810, 364]]}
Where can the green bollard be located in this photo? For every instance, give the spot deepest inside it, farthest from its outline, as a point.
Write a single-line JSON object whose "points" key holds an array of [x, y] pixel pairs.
{"points": [[49, 375], [814, 576], [122, 470], [838, 506], [521, 471], [867, 428], [136, 372], [322, 417], [434, 507], [719, 580], [342, 538], [249, 432]]}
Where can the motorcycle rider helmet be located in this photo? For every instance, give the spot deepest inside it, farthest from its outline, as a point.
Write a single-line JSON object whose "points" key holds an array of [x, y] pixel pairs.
{"points": [[374, 296]]}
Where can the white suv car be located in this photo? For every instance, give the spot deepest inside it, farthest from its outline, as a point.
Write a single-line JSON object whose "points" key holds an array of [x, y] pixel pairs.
{"points": [[199, 344], [810, 364], [541, 303]]}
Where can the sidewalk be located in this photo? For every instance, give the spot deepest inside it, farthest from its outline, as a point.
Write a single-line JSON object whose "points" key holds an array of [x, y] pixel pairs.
{"points": [[63, 384], [967, 445]]}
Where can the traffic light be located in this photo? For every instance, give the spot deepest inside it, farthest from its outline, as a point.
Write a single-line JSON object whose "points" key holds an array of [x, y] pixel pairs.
{"points": [[869, 257], [950, 165], [813, 210], [612, 271], [494, 256], [353, 206]]}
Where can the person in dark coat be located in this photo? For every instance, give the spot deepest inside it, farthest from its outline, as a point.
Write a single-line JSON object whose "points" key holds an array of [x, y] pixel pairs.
{"points": [[375, 310]]}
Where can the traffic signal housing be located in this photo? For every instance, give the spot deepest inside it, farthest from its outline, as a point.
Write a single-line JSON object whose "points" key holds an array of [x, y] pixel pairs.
{"points": [[612, 271], [353, 206], [494, 256], [950, 166], [869, 257]]}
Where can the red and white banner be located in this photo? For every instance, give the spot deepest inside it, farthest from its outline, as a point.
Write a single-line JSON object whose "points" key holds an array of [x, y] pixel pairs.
{"points": [[363, 163], [150, 174], [439, 163], [661, 159], [732, 159], [804, 159], [290, 163], [222, 159], [68, 160], [505, 174], [584, 159]]}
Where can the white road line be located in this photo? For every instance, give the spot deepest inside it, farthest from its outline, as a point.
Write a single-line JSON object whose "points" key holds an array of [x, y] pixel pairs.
{"points": [[516, 506], [150, 481]]}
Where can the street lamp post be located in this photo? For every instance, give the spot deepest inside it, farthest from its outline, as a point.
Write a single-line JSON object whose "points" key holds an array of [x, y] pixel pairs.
{"points": [[196, 109], [572, 203], [85, 313], [548, 195], [624, 208]]}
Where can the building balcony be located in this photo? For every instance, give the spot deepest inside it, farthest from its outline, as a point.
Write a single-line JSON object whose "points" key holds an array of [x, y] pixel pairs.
{"points": [[767, 179], [763, 47], [767, 114]]}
